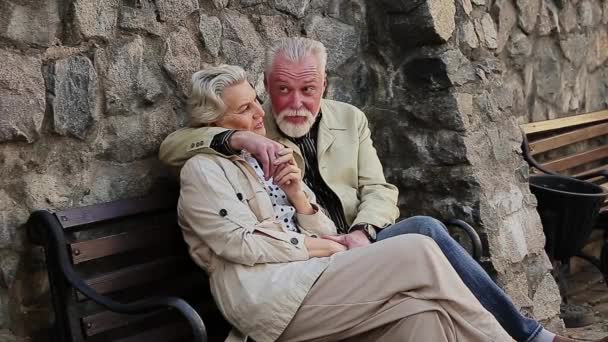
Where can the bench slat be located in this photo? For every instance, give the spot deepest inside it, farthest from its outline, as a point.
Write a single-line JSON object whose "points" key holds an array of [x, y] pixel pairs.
{"points": [[549, 125], [577, 159], [107, 320], [120, 243], [163, 334], [179, 285], [116, 209], [138, 275], [551, 143]]}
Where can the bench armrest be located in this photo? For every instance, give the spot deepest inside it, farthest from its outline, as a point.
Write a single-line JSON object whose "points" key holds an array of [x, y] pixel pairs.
{"points": [[472, 234], [53, 237]]}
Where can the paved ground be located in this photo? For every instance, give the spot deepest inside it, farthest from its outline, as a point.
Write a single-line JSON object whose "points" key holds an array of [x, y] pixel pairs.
{"points": [[587, 287]]}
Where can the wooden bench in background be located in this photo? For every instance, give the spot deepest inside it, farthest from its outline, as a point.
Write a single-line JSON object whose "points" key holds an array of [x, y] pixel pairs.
{"points": [[577, 147], [120, 271]]}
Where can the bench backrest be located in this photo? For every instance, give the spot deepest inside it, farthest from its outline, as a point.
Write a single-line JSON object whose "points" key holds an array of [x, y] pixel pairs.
{"points": [[130, 250], [575, 145]]}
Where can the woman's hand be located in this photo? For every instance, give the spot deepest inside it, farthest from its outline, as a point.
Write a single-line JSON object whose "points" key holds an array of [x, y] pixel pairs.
{"points": [[322, 247], [288, 177]]}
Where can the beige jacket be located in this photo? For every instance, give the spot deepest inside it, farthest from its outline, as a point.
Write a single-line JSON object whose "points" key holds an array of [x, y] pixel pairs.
{"points": [[348, 161], [259, 274]]}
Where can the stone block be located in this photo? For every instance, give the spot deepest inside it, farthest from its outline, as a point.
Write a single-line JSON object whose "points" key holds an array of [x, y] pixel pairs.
{"points": [[181, 59], [568, 17], [458, 68], [467, 6], [129, 138], [352, 12], [22, 97], [605, 8], [131, 77], [468, 35], [296, 8], [95, 19], [547, 73], [519, 48], [174, 12], [238, 28], [444, 112], [430, 23], [511, 237], [341, 40], [548, 19], [546, 299], [528, 14], [589, 13], [107, 180], [75, 86], [30, 22], [249, 3], [219, 4], [598, 48], [9, 260], [438, 72], [210, 28], [574, 47], [237, 53], [596, 91], [486, 31], [140, 17], [506, 15]]}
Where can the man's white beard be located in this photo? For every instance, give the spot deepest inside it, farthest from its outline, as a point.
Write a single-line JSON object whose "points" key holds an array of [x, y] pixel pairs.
{"points": [[295, 130]]}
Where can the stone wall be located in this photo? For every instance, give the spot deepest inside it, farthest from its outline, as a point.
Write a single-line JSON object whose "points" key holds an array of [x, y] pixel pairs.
{"points": [[556, 53], [88, 90]]}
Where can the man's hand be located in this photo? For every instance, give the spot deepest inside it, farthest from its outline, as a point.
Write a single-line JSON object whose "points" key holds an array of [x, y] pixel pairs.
{"points": [[351, 240], [322, 247], [262, 149]]}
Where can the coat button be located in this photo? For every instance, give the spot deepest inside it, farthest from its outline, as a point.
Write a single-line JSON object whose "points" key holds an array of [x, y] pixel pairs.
{"points": [[239, 196], [223, 212], [294, 241]]}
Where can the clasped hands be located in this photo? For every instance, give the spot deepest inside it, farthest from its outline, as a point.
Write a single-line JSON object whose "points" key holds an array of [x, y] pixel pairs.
{"points": [[277, 162]]}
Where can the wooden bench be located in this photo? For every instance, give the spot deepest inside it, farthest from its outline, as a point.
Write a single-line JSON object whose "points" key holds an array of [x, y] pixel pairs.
{"points": [[120, 271], [576, 147]]}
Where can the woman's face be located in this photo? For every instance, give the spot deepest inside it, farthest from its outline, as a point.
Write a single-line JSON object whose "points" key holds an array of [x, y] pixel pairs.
{"points": [[243, 111]]}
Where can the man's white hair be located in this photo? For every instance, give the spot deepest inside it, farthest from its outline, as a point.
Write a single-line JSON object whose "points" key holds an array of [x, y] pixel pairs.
{"points": [[295, 49], [205, 104]]}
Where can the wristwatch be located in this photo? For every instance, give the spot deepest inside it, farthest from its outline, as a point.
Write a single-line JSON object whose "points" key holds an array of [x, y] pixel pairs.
{"points": [[368, 229]]}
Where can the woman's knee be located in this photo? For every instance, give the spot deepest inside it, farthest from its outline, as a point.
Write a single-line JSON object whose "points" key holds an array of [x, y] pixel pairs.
{"points": [[410, 246]]}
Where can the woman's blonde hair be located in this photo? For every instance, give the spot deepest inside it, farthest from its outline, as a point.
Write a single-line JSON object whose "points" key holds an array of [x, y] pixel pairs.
{"points": [[205, 104]]}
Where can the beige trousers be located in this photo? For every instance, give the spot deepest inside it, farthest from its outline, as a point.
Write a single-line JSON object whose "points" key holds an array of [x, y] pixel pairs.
{"points": [[399, 289]]}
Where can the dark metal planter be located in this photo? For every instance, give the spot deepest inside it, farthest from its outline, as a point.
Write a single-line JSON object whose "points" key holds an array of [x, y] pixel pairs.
{"points": [[568, 209]]}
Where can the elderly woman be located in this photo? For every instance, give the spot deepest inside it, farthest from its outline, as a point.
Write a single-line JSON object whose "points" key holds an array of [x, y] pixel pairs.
{"points": [[273, 275]]}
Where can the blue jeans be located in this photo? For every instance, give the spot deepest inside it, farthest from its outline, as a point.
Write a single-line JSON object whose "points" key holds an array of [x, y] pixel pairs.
{"points": [[473, 275]]}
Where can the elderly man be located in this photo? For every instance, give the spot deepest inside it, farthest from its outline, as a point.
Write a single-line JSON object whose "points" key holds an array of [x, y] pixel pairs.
{"points": [[332, 144]]}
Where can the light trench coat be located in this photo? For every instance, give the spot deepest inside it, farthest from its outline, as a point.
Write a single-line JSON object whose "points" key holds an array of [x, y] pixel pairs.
{"points": [[259, 273]]}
